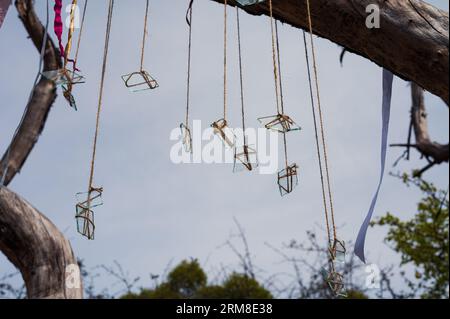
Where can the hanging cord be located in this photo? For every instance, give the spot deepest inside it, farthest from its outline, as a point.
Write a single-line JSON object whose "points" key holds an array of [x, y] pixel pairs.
{"points": [[316, 130], [68, 90], [285, 150], [80, 35], [188, 97], [241, 77], [70, 33], [145, 35], [277, 74], [225, 61], [100, 99], [36, 81], [280, 80], [322, 128], [274, 58], [286, 158], [58, 28]]}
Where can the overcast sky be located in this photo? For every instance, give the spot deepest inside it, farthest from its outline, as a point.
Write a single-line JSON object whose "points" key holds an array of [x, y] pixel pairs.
{"points": [[156, 211]]}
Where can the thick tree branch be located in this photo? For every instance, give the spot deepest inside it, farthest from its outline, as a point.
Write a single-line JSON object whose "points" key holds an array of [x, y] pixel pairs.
{"points": [[37, 248], [434, 152], [41, 101], [27, 238], [438, 152], [412, 41]]}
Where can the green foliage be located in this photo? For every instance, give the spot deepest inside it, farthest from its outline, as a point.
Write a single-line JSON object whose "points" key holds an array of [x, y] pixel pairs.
{"points": [[238, 286], [189, 281], [211, 292], [186, 279], [356, 294], [423, 241]]}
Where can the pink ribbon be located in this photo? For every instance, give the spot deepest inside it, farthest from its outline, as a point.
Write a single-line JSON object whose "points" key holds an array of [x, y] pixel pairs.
{"points": [[58, 25]]}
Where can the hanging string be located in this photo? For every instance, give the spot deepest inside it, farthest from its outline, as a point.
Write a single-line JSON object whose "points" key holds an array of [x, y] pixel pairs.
{"points": [[67, 89], [145, 35], [100, 99], [189, 22], [274, 58], [70, 33], [225, 61], [322, 128], [316, 130], [278, 79], [241, 76], [80, 35], [36, 81], [286, 158]]}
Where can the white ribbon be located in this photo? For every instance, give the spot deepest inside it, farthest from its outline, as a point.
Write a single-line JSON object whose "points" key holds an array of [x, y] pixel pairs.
{"points": [[388, 78], [4, 6]]}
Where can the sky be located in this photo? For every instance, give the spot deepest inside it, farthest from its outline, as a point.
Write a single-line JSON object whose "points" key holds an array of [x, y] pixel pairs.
{"points": [[156, 211]]}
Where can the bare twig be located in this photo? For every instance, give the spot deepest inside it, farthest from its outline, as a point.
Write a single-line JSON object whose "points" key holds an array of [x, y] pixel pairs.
{"points": [[433, 152], [122, 277]]}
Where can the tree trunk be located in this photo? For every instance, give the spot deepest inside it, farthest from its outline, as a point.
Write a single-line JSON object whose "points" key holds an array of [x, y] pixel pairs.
{"points": [[27, 238], [38, 249], [412, 41]]}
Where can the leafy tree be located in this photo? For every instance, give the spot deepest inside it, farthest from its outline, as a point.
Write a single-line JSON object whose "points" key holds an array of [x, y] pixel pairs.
{"points": [[189, 281], [423, 241]]}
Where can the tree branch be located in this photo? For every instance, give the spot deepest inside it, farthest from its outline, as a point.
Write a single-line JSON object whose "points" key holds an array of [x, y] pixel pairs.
{"points": [[36, 247], [438, 152], [27, 238], [433, 152], [412, 41], [42, 98]]}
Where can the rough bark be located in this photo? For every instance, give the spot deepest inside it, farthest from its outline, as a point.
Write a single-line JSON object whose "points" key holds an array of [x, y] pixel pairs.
{"points": [[43, 96], [27, 238], [412, 41], [435, 153], [438, 152], [37, 248]]}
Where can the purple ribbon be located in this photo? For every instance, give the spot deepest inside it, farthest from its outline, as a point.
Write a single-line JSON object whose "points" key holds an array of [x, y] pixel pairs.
{"points": [[4, 6], [388, 78]]}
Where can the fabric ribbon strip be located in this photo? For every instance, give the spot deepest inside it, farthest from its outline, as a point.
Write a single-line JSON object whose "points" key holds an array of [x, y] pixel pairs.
{"points": [[4, 6], [58, 25], [388, 78], [58, 28]]}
